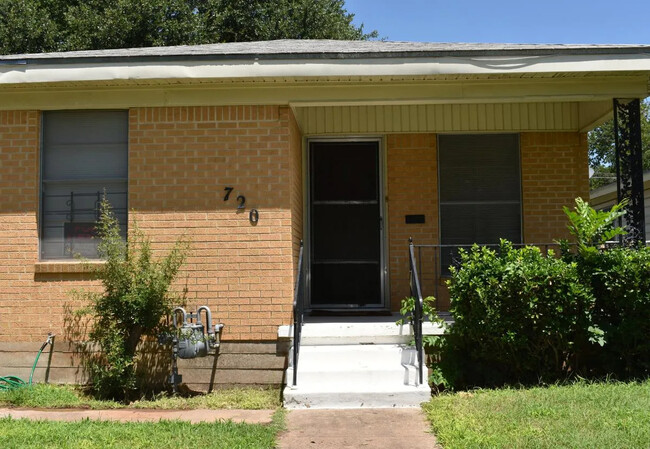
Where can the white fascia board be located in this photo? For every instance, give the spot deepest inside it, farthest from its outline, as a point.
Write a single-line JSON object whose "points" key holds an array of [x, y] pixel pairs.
{"points": [[35, 72]]}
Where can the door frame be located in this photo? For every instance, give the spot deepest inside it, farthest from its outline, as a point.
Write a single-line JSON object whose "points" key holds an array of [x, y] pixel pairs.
{"points": [[384, 304]]}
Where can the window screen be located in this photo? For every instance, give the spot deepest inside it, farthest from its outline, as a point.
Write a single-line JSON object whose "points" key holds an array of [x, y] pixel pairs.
{"points": [[480, 191], [84, 157]]}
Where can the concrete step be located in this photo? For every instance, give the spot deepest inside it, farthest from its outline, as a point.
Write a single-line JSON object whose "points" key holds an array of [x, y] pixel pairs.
{"points": [[355, 396], [372, 364], [355, 376]]}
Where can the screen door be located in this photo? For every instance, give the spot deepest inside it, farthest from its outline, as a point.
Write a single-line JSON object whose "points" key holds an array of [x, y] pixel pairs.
{"points": [[345, 225]]}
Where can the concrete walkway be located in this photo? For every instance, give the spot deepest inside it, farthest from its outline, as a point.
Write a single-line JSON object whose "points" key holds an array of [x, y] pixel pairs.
{"points": [[388, 428], [357, 428], [125, 415]]}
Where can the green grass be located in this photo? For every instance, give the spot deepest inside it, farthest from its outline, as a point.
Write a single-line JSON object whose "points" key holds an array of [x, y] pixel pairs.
{"points": [[61, 396], [161, 435], [581, 415], [235, 398]]}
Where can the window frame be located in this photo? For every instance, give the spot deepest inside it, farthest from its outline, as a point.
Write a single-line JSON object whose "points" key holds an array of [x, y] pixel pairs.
{"points": [[444, 271], [42, 258]]}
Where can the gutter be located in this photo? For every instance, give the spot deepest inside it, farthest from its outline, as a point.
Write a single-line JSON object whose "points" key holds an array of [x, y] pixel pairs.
{"points": [[20, 71]]}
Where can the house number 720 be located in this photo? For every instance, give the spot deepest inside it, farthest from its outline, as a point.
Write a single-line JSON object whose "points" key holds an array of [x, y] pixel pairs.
{"points": [[253, 216]]}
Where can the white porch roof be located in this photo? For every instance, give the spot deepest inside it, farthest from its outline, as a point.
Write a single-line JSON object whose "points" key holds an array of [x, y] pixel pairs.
{"points": [[575, 81]]}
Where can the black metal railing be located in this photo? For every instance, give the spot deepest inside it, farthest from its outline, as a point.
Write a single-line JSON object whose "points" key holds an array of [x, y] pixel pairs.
{"points": [[416, 294], [298, 314]]}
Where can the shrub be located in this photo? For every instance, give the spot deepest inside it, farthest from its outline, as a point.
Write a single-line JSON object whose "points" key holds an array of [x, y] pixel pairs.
{"points": [[520, 316], [135, 298], [620, 280]]}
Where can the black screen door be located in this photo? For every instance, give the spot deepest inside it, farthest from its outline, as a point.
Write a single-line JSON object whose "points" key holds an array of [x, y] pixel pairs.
{"points": [[345, 224]]}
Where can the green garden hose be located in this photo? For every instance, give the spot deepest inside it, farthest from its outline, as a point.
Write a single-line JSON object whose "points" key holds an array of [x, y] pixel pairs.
{"points": [[11, 382]]}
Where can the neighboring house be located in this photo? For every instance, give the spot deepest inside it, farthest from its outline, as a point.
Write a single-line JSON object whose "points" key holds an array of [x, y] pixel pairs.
{"points": [[603, 198], [352, 147]]}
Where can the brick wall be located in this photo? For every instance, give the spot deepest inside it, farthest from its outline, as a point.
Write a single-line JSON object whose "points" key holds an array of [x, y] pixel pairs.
{"points": [[412, 189], [296, 188], [31, 302], [180, 161], [554, 171], [19, 133]]}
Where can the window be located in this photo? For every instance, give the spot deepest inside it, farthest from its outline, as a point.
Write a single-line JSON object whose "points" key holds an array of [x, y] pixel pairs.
{"points": [[480, 190], [84, 156]]}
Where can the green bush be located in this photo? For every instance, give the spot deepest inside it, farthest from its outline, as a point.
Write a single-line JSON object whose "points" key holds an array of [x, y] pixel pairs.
{"points": [[135, 298], [520, 316], [524, 317], [620, 280]]}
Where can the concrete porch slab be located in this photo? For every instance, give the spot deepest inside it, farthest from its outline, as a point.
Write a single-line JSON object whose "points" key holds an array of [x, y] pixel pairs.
{"points": [[333, 330]]}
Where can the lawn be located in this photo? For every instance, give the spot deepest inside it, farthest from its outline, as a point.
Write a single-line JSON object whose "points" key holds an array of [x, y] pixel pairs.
{"points": [[161, 435], [62, 396], [581, 415]]}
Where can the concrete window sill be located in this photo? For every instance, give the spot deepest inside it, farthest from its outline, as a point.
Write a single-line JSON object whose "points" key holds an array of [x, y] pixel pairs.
{"points": [[66, 266]]}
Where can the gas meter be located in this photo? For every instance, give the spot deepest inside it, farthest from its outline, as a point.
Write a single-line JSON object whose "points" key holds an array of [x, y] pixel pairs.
{"points": [[189, 339], [192, 341]]}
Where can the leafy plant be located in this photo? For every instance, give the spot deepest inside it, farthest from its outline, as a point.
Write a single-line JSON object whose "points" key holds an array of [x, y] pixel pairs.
{"points": [[619, 278], [407, 309], [524, 317], [135, 298], [434, 345], [519, 316], [592, 227], [620, 281]]}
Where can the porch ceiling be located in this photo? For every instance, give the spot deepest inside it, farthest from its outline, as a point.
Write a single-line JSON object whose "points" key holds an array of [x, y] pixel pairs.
{"points": [[450, 118], [589, 93]]}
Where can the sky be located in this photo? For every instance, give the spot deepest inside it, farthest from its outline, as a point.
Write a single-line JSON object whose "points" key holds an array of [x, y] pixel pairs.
{"points": [[506, 21]]}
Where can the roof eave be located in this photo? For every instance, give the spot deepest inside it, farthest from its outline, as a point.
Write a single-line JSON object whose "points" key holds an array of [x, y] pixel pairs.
{"points": [[24, 71]]}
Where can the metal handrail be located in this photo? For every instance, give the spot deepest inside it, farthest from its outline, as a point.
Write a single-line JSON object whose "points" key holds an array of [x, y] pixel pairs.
{"points": [[298, 315], [416, 293]]}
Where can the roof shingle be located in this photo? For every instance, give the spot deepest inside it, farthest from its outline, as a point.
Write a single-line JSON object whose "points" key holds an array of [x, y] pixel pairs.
{"points": [[314, 49]]}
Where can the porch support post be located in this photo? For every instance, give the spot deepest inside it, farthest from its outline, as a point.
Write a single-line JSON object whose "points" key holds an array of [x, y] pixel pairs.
{"points": [[629, 167]]}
